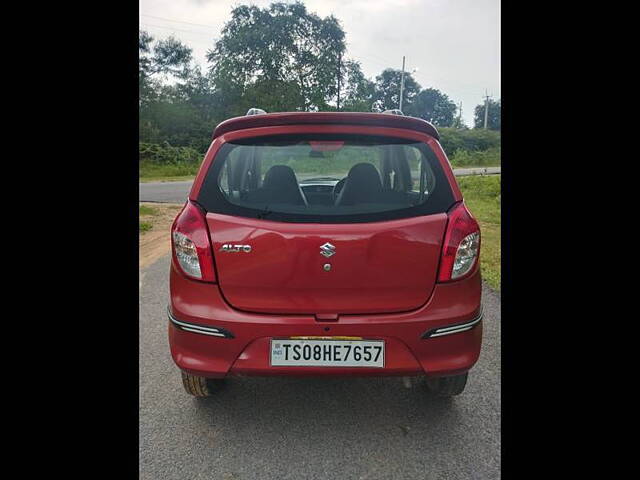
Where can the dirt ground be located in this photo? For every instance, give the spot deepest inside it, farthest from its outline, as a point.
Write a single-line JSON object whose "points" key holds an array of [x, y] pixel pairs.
{"points": [[156, 242]]}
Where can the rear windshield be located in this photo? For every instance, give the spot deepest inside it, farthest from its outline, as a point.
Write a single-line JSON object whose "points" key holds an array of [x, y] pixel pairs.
{"points": [[327, 179]]}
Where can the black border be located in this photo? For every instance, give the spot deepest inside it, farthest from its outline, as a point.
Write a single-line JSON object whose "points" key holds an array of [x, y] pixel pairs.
{"points": [[76, 376], [80, 197]]}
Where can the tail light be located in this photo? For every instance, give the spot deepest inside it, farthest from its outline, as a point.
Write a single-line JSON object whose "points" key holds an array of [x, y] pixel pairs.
{"points": [[191, 245], [461, 247]]}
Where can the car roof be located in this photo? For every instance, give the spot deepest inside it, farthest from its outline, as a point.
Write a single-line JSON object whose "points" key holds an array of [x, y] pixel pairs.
{"points": [[335, 118]]}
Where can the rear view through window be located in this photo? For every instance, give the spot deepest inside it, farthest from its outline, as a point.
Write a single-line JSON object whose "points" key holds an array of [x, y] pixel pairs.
{"points": [[326, 179]]}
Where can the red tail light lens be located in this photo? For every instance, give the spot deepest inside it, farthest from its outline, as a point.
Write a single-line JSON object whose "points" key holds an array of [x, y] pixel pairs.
{"points": [[190, 244], [461, 248]]}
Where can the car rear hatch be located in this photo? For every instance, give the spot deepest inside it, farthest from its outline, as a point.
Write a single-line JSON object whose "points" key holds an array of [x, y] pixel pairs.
{"points": [[373, 267], [368, 240]]}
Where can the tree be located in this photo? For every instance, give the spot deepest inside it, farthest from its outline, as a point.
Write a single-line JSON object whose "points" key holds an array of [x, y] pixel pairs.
{"points": [[387, 90], [166, 57], [458, 123], [357, 93], [179, 113], [282, 55], [493, 119], [279, 58], [171, 57], [433, 106]]}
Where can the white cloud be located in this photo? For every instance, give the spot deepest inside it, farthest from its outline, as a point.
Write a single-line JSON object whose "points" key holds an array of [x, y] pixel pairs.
{"points": [[455, 44]]}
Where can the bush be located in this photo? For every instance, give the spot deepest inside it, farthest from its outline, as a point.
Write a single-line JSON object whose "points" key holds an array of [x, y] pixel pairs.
{"points": [[163, 160], [470, 140], [165, 154], [486, 158]]}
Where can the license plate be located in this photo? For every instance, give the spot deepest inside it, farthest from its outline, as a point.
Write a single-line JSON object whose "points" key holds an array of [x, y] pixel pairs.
{"points": [[287, 352]]}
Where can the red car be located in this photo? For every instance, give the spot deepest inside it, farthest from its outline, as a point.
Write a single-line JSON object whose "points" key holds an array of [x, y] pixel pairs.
{"points": [[325, 244]]}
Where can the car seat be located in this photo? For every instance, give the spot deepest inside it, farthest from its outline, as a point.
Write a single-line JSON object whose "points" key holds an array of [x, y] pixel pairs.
{"points": [[363, 185], [280, 185]]}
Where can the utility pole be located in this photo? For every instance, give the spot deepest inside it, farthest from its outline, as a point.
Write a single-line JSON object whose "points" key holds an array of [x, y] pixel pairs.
{"points": [[339, 75], [401, 83], [486, 109], [460, 115]]}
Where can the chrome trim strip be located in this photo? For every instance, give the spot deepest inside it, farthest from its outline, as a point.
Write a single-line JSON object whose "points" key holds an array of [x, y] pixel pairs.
{"points": [[203, 332], [456, 327], [460, 327], [192, 327], [197, 327], [439, 334]]}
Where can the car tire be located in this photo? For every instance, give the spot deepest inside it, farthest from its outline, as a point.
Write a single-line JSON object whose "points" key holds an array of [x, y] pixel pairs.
{"points": [[199, 386], [447, 386]]}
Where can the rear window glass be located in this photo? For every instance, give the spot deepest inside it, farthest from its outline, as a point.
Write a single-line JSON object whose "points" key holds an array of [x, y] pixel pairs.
{"points": [[329, 179]]}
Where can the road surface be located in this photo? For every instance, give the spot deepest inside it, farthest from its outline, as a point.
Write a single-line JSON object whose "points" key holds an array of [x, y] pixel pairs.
{"points": [[312, 428], [176, 192]]}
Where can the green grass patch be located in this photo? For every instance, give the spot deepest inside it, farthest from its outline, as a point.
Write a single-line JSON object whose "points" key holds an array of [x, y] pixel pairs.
{"points": [[482, 196], [485, 158], [153, 171], [147, 210], [145, 227]]}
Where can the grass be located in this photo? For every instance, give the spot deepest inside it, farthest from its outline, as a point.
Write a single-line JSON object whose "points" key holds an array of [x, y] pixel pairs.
{"points": [[147, 210], [482, 196], [150, 172], [180, 178], [145, 227]]}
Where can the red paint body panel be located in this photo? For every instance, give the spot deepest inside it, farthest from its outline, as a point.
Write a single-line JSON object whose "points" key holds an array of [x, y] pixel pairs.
{"points": [[406, 353], [288, 119], [377, 268]]}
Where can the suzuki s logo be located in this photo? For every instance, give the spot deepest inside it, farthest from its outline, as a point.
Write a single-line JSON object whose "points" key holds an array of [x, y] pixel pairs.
{"points": [[228, 247], [327, 250]]}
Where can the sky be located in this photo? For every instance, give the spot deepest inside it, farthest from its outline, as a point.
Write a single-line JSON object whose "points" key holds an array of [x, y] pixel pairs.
{"points": [[453, 44]]}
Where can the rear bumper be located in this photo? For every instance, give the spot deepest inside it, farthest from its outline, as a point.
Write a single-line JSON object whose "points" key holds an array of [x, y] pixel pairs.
{"points": [[211, 339]]}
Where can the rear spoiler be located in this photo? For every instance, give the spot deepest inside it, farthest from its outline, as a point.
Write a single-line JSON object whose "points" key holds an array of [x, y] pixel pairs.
{"points": [[257, 120]]}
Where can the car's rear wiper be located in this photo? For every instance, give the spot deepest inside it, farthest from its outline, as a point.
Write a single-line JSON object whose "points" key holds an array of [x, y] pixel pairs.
{"points": [[264, 213]]}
